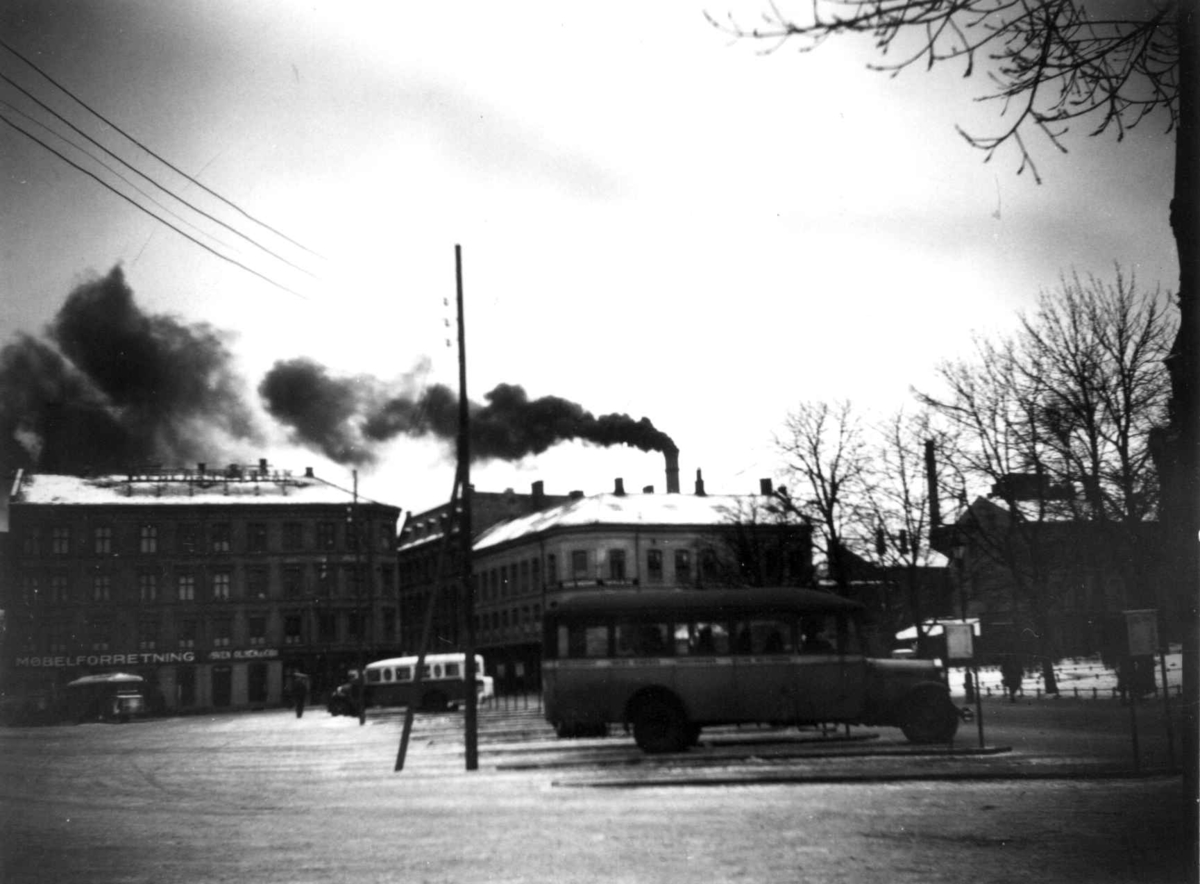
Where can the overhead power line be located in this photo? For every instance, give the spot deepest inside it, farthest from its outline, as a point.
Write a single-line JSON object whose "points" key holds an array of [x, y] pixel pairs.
{"points": [[162, 160], [142, 208], [116, 172], [138, 171]]}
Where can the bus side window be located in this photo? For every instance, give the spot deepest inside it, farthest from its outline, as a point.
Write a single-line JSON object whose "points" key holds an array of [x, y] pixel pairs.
{"points": [[682, 639], [452, 670], [387, 675], [585, 640], [404, 673], [372, 675], [635, 639], [771, 637], [819, 634], [710, 637]]}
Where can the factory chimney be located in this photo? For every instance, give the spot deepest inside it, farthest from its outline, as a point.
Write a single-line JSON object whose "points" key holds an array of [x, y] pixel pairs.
{"points": [[672, 471], [699, 484]]}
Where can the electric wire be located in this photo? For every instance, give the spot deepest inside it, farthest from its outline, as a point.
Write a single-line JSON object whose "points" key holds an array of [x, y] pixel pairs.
{"points": [[162, 160], [98, 160], [142, 208], [137, 171]]}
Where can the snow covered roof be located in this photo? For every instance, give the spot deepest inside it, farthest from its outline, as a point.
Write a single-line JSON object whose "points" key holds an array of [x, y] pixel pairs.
{"points": [[675, 510], [179, 488]]}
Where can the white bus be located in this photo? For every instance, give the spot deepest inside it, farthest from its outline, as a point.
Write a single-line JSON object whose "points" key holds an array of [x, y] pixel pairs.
{"points": [[390, 682], [669, 662]]}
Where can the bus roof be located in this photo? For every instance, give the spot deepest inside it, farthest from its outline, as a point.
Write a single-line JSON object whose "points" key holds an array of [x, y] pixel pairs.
{"points": [[722, 601], [430, 659]]}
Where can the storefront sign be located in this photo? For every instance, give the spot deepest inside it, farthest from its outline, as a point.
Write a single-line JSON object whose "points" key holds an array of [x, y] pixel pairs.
{"points": [[138, 659], [244, 654]]}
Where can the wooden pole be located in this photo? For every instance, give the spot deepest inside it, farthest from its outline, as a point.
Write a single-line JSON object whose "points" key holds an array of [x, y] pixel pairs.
{"points": [[470, 714]]}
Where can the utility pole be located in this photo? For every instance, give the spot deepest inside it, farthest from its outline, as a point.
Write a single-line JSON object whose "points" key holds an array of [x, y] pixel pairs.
{"points": [[470, 714], [356, 527]]}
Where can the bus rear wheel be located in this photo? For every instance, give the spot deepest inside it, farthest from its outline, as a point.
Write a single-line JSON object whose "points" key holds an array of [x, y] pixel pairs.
{"points": [[660, 726]]}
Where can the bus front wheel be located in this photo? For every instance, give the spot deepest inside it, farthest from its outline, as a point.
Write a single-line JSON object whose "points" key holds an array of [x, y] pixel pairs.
{"points": [[660, 726]]}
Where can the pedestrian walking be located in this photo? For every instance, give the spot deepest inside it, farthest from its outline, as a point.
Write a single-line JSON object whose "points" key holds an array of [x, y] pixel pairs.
{"points": [[299, 692], [1012, 673]]}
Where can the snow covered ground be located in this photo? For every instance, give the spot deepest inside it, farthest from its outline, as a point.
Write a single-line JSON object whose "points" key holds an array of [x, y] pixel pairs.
{"points": [[1082, 674]]}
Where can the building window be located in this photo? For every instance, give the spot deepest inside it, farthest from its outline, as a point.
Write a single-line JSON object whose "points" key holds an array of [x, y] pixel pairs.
{"points": [[221, 537], [147, 634], [389, 624], [256, 582], [683, 566], [187, 634], [387, 536], [148, 539], [579, 564], [551, 569], [258, 537], [59, 591], [30, 590], [355, 625], [326, 535], [31, 543], [147, 586], [291, 629], [57, 643], [352, 530], [220, 585], [504, 581], [325, 581], [101, 588], [60, 540], [293, 536], [258, 631], [186, 584], [525, 577], [535, 568], [222, 632], [102, 540], [654, 566], [100, 635], [189, 538], [616, 564], [387, 580], [326, 627], [293, 582]]}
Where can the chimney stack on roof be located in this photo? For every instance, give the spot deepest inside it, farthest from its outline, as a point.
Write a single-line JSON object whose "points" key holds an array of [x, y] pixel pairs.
{"points": [[672, 471], [699, 484], [619, 487], [539, 494], [308, 473], [764, 487], [648, 489], [576, 495]]}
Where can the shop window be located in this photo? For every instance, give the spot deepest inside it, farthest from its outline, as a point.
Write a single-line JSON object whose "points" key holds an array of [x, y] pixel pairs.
{"points": [[256, 685]]}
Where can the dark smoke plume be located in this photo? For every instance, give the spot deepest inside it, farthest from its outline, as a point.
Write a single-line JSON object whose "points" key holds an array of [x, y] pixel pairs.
{"points": [[344, 417], [111, 387]]}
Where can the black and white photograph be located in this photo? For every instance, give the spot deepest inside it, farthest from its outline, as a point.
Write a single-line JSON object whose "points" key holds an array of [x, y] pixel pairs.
{"points": [[737, 441]]}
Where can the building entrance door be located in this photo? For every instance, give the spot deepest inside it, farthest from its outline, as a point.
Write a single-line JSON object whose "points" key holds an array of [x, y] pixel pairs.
{"points": [[185, 686], [222, 686]]}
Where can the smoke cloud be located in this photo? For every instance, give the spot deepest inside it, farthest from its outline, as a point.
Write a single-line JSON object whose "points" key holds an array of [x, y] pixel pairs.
{"points": [[109, 387], [346, 417]]}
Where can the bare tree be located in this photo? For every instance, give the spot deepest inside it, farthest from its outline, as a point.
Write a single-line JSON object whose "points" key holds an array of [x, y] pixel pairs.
{"points": [[1051, 63], [828, 463]]}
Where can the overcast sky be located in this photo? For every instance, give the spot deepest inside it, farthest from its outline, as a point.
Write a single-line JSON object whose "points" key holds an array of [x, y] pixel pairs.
{"points": [[655, 219]]}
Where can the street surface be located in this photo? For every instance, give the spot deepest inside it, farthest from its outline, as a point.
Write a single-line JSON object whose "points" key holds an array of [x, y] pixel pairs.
{"points": [[267, 797]]}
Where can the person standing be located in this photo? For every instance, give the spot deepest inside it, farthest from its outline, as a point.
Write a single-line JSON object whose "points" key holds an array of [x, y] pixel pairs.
{"points": [[299, 692]]}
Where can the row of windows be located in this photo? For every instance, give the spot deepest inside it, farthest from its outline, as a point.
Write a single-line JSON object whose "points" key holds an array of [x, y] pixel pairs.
{"points": [[520, 578], [216, 633], [814, 634], [210, 584], [194, 538], [490, 624]]}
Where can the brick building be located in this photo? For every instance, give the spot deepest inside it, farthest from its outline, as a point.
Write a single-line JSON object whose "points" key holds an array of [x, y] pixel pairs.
{"points": [[210, 584]]}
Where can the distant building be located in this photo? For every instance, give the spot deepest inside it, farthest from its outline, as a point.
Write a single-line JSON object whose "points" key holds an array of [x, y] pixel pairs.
{"points": [[616, 541], [1048, 587], [211, 584]]}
